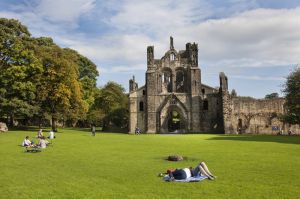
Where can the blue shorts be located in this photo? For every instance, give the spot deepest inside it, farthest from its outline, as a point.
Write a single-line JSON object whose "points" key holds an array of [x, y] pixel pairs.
{"points": [[196, 171]]}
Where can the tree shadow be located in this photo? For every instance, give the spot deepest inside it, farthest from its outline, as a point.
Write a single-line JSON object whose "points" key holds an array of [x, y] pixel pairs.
{"points": [[259, 138], [26, 128]]}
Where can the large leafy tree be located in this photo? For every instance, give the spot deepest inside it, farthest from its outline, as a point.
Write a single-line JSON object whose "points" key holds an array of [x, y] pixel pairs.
{"points": [[88, 74], [39, 78], [60, 92], [20, 71], [112, 102], [292, 95]]}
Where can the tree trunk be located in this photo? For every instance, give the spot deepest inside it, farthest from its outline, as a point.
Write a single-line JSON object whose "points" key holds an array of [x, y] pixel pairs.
{"points": [[11, 120], [54, 120], [40, 122]]}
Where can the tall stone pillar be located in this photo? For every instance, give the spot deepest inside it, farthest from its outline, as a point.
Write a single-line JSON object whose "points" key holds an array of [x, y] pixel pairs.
{"points": [[151, 87], [226, 104]]}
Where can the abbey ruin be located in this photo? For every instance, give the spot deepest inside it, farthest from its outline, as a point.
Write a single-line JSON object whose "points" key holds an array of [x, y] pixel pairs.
{"points": [[174, 100]]}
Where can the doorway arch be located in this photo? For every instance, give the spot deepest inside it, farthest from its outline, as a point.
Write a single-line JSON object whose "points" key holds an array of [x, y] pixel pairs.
{"points": [[173, 119]]}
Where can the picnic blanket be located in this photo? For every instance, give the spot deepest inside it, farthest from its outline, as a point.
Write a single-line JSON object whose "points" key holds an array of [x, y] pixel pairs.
{"points": [[190, 179]]}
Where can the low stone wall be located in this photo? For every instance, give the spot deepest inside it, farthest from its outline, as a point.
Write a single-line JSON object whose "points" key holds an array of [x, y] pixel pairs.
{"points": [[257, 116]]}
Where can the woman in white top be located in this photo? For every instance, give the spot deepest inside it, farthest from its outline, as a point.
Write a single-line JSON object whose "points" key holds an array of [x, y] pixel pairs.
{"points": [[201, 169], [43, 143], [26, 142]]}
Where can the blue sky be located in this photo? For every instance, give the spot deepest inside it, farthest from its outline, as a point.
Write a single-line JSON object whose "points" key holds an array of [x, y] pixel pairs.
{"points": [[256, 43]]}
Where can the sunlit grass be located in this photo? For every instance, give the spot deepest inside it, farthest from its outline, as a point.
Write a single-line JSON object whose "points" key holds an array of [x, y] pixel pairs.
{"points": [[110, 165]]}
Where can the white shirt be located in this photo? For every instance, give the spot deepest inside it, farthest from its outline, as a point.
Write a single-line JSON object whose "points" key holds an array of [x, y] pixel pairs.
{"points": [[51, 135], [187, 172], [26, 142], [43, 143]]}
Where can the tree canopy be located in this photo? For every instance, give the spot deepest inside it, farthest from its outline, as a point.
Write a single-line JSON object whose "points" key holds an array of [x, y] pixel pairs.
{"points": [[38, 77], [292, 95], [111, 104], [272, 96]]}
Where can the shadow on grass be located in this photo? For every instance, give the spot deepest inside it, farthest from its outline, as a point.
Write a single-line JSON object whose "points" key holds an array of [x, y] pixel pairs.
{"points": [[25, 128], [259, 138]]}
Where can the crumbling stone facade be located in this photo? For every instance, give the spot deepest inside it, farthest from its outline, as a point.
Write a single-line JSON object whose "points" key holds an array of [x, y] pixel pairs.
{"points": [[174, 100]]}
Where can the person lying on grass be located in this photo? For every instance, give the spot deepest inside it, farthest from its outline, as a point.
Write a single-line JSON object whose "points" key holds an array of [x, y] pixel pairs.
{"points": [[199, 170]]}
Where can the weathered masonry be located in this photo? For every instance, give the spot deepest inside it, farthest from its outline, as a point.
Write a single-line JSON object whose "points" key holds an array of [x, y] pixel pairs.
{"points": [[174, 100]]}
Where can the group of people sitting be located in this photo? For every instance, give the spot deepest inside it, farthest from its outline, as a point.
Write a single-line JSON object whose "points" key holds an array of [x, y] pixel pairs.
{"points": [[290, 132], [42, 143]]}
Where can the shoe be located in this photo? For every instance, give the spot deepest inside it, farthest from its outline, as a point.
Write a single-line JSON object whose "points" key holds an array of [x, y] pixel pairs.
{"points": [[214, 177]]}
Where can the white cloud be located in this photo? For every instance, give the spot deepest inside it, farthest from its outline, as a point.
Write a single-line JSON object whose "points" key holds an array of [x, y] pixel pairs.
{"points": [[64, 11], [159, 16], [125, 69], [261, 37], [249, 37], [261, 78]]}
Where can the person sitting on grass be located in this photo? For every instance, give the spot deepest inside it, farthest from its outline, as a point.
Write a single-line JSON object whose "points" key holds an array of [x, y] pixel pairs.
{"points": [[42, 143], [51, 135], [137, 131], [27, 142], [199, 170], [40, 133]]}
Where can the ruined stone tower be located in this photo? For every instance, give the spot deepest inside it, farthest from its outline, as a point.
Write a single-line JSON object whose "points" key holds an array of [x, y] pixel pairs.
{"points": [[174, 100]]}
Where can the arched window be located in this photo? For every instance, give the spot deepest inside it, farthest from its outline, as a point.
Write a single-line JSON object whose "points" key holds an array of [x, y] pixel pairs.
{"points": [[141, 106], [180, 81], [172, 57], [166, 81], [205, 105]]}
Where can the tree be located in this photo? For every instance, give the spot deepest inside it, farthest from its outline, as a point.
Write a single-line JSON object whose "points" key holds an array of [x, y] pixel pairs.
{"points": [[233, 93], [39, 78], [113, 103], [292, 96], [272, 96], [60, 92], [20, 71], [88, 74]]}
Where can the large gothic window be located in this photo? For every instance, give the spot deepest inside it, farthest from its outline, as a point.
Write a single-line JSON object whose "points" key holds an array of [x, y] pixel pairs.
{"points": [[180, 81], [205, 105], [141, 106], [166, 81], [172, 57]]}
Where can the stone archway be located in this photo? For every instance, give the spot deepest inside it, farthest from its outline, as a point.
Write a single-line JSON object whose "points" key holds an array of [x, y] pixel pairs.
{"points": [[173, 120]]}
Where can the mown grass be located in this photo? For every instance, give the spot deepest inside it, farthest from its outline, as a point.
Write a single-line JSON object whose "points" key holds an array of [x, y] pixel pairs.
{"points": [[126, 166]]}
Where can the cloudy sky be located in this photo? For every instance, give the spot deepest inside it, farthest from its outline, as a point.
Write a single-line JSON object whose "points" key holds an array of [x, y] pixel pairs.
{"points": [[256, 43]]}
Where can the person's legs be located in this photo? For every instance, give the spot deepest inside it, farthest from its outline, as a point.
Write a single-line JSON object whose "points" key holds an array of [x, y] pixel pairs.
{"points": [[203, 165], [204, 173]]}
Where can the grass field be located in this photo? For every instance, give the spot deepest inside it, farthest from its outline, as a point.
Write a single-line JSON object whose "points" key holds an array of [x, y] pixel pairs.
{"points": [[109, 165]]}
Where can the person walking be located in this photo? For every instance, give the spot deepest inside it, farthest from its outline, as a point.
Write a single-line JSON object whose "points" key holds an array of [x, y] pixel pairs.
{"points": [[93, 130]]}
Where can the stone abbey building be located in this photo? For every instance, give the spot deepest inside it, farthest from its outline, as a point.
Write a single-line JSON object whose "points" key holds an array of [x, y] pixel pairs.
{"points": [[174, 100]]}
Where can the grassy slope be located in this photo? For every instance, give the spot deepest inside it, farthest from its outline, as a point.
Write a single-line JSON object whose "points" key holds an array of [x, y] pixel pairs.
{"points": [[126, 166]]}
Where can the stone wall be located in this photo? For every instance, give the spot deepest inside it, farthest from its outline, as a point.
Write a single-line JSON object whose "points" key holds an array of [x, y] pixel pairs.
{"points": [[257, 116], [137, 118], [210, 114]]}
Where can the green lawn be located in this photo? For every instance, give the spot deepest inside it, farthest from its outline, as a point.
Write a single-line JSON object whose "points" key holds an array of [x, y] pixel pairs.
{"points": [[126, 166]]}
